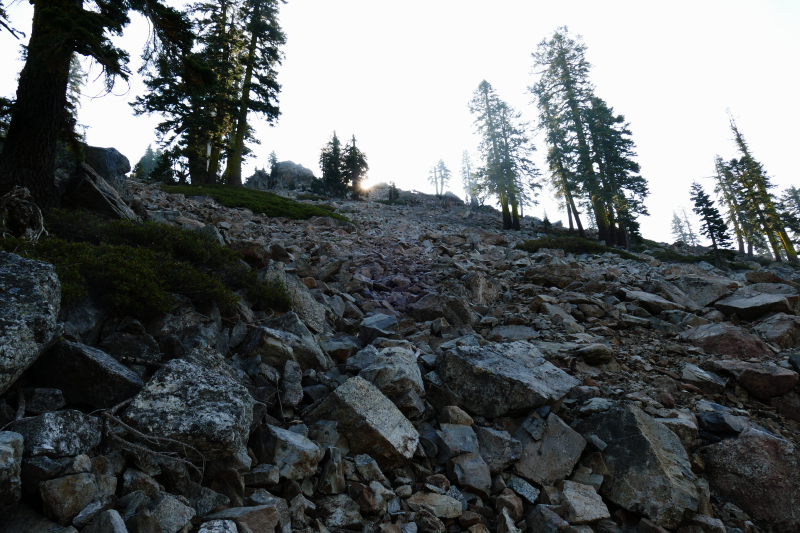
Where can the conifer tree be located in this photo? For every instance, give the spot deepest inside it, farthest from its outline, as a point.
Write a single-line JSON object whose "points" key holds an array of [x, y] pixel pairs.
{"points": [[691, 236], [679, 229], [354, 167], [330, 161], [712, 225], [273, 165], [789, 206], [468, 180]]}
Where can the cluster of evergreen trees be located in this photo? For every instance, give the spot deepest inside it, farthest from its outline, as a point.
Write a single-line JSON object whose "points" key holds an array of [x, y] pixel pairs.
{"points": [[439, 176], [343, 169], [755, 215]]}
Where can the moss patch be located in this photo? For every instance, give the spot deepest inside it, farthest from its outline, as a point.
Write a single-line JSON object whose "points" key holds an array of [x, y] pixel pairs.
{"points": [[575, 245], [260, 202], [135, 268]]}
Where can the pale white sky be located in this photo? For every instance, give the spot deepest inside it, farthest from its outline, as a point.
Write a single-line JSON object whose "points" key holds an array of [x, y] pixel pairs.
{"points": [[399, 76]]}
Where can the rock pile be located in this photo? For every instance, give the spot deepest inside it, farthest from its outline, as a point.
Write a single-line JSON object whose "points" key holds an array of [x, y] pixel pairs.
{"points": [[431, 378]]}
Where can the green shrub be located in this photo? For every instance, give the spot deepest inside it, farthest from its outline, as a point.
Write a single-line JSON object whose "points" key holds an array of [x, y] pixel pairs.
{"points": [[668, 256], [310, 196], [575, 245], [260, 202], [135, 268]]}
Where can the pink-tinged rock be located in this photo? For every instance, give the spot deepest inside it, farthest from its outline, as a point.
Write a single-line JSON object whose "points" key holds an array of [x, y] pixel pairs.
{"points": [[760, 473], [761, 380], [728, 340]]}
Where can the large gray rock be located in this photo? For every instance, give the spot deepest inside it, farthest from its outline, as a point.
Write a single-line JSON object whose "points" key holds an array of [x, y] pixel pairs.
{"points": [[454, 440], [780, 328], [10, 468], [21, 518], [194, 405], [502, 380], [497, 448], [649, 470], [395, 372], [339, 511], [59, 434], [310, 311], [550, 449], [582, 503], [109, 521], [705, 290], [377, 325], [651, 302], [30, 298], [471, 473], [85, 375], [86, 189], [83, 320], [295, 455], [170, 512], [272, 516], [728, 340], [753, 301], [762, 380], [435, 305], [112, 166], [760, 473], [370, 421], [276, 347]]}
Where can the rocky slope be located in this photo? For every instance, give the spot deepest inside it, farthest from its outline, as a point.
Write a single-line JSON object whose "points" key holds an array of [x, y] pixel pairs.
{"points": [[430, 378]]}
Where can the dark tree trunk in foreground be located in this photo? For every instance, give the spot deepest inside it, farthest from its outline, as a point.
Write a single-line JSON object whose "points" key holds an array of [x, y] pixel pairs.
{"points": [[29, 154]]}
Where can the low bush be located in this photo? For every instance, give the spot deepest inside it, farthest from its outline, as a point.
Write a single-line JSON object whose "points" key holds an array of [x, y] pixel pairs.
{"points": [[575, 245], [135, 268], [260, 202]]}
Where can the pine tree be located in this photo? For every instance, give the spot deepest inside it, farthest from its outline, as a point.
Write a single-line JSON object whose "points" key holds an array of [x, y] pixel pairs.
{"points": [[354, 167], [146, 163], [330, 161], [273, 165], [443, 176], [691, 236], [726, 188], [468, 180], [679, 229], [712, 225], [789, 207], [61, 28]]}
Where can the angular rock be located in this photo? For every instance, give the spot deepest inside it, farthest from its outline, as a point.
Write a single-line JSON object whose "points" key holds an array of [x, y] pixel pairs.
{"points": [[582, 503], [470, 472], [440, 505], [332, 479], [505, 524], [780, 328], [652, 303], [497, 448], [270, 517], [368, 468], [291, 388], [170, 512], [707, 382], [434, 305], [705, 290], [65, 497], [87, 190], [370, 421], [512, 333], [311, 312], [85, 375], [194, 405], [109, 521], [762, 380], [295, 455], [377, 325], [650, 471], [523, 488], [263, 475], [501, 380], [219, 526], [339, 511], [727, 339], [30, 297], [595, 354], [43, 400], [59, 434], [276, 347], [750, 303], [550, 449], [83, 320], [453, 440], [10, 468], [760, 473], [395, 372]]}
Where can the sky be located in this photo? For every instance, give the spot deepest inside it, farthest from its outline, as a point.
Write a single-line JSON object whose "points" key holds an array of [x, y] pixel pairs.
{"points": [[399, 77]]}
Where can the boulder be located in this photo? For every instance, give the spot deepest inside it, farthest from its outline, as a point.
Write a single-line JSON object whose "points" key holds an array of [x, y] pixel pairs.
{"points": [[497, 448], [502, 380], [760, 473], [377, 325], [295, 455], [649, 470], [441, 506], [762, 380], [272, 517], [171, 513], [707, 382], [291, 388], [435, 305], [728, 340], [652, 303], [311, 312], [471, 473], [482, 291], [194, 405], [550, 449], [750, 303], [64, 497], [59, 434], [512, 333], [582, 503], [83, 320], [339, 511], [10, 468], [705, 290], [370, 421], [395, 372], [20, 518], [780, 328], [111, 165], [86, 189], [85, 375], [275, 347], [30, 298], [454, 440], [108, 521]]}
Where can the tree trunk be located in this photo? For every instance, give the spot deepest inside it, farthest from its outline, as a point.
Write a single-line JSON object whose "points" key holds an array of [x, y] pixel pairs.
{"points": [[571, 204], [28, 158], [569, 217], [787, 245], [514, 216], [234, 170]]}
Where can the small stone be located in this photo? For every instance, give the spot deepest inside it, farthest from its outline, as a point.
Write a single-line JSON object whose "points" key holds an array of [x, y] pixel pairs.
{"points": [[583, 504]]}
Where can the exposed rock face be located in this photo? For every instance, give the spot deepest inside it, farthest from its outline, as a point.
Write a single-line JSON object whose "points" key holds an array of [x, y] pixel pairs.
{"points": [[30, 298], [60, 434], [757, 300], [780, 328], [67, 496], [370, 421], [705, 290], [502, 380], [550, 449], [10, 468], [395, 372], [727, 339], [760, 473], [88, 190], [111, 165], [185, 402], [649, 469]]}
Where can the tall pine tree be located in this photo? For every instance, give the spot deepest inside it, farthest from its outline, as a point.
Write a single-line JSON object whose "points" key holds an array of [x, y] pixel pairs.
{"points": [[711, 223]]}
